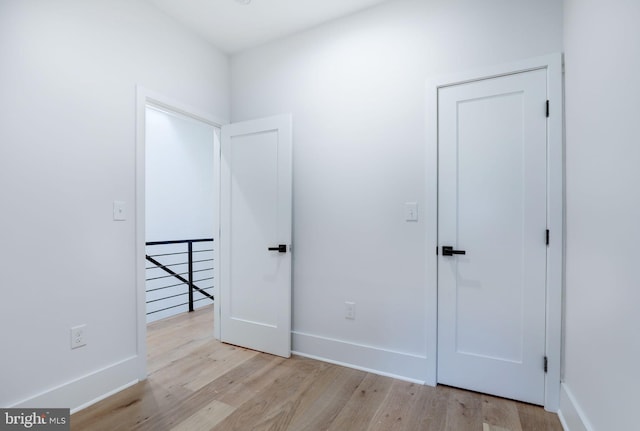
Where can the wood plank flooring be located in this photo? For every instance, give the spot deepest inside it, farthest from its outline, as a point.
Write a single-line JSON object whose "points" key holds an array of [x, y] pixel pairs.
{"points": [[196, 383]]}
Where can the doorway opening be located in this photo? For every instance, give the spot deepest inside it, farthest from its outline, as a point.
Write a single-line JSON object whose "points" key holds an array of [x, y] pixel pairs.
{"points": [[179, 213], [177, 219]]}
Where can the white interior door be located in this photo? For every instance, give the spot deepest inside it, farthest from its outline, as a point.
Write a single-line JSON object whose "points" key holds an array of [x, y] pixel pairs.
{"points": [[492, 142], [255, 288]]}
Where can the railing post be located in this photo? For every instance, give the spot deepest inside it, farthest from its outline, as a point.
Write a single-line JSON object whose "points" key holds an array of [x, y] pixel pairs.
{"points": [[190, 276]]}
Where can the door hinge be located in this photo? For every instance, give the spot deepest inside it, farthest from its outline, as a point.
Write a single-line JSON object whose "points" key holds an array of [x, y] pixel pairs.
{"points": [[547, 109], [436, 250], [546, 364], [547, 236]]}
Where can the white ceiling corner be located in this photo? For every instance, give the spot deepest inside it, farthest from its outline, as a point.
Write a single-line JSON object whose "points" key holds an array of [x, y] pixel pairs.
{"points": [[233, 27]]}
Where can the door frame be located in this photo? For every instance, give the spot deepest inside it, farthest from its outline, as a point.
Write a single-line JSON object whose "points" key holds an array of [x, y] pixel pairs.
{"points": [[145, 97], [553, 64]]}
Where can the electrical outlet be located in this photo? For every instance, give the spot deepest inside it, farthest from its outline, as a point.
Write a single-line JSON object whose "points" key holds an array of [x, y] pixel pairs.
{"points": [[350, 310], [78, 336]]}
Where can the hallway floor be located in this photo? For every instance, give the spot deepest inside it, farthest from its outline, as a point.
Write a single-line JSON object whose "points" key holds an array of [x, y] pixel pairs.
{"points": [[197, 383]]}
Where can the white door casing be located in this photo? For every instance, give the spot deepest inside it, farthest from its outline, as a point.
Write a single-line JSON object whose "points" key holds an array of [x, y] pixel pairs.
{"points": [[256, 205], [492, 203], [553, 65]]}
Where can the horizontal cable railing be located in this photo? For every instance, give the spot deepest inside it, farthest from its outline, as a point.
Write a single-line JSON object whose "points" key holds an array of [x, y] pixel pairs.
{"points": [[176, 267]]}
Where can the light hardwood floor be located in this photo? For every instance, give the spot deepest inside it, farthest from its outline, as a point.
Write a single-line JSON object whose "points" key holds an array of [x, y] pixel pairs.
{"points": [[196, 383]]}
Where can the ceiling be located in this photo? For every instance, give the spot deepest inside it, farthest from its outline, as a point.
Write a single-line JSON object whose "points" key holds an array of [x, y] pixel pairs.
{"points": [[232, 26]]}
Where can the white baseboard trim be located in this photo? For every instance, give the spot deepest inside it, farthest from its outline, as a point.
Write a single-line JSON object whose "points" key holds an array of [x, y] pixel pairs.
{"points": [[563, 421], [399, 365], [103, 396], [84, 391], [571, 416]]}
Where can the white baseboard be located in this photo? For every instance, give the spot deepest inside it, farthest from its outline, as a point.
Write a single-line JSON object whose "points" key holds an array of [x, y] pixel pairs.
{"points": [[571, 415], [89, 389], [399, 365]]}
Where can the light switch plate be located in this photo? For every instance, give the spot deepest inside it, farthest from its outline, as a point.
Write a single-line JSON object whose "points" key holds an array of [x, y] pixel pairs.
{"points": [[119, 210], [411, 211]]}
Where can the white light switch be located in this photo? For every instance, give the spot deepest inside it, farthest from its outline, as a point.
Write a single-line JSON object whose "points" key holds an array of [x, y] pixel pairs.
{"points": [[411, 211], [119, 211]]}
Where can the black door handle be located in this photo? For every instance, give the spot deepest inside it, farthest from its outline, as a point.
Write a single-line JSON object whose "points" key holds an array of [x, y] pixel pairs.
{"points": [[282, 248], [449, 251]]}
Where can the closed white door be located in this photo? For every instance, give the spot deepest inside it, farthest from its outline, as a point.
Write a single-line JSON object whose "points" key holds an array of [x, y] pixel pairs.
{"points": [[492, 183], [255, 235]]}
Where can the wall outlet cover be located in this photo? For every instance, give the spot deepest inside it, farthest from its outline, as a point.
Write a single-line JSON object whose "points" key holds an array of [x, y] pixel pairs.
{"points": [[78, 336]]}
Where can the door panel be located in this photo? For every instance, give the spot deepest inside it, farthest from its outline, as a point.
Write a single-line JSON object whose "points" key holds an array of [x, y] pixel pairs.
{"points": [[492, 204], [255, 291]]}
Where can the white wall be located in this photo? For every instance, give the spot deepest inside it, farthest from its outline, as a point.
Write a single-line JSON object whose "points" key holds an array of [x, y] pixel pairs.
{"points": [[356, 89], [67, 151], [602, 346], [180, 179], [179, 199]]}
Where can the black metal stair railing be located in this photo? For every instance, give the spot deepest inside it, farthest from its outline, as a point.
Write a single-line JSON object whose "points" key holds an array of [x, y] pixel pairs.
{"points": [[172, 271]]}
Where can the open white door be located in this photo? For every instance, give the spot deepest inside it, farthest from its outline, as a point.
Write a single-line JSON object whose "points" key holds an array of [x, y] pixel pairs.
{"points": [[255, 235]]}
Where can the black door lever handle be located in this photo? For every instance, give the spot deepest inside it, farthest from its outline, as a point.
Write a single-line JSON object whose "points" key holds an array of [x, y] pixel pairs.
{"points": [[281, 248], [449, 251]]}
